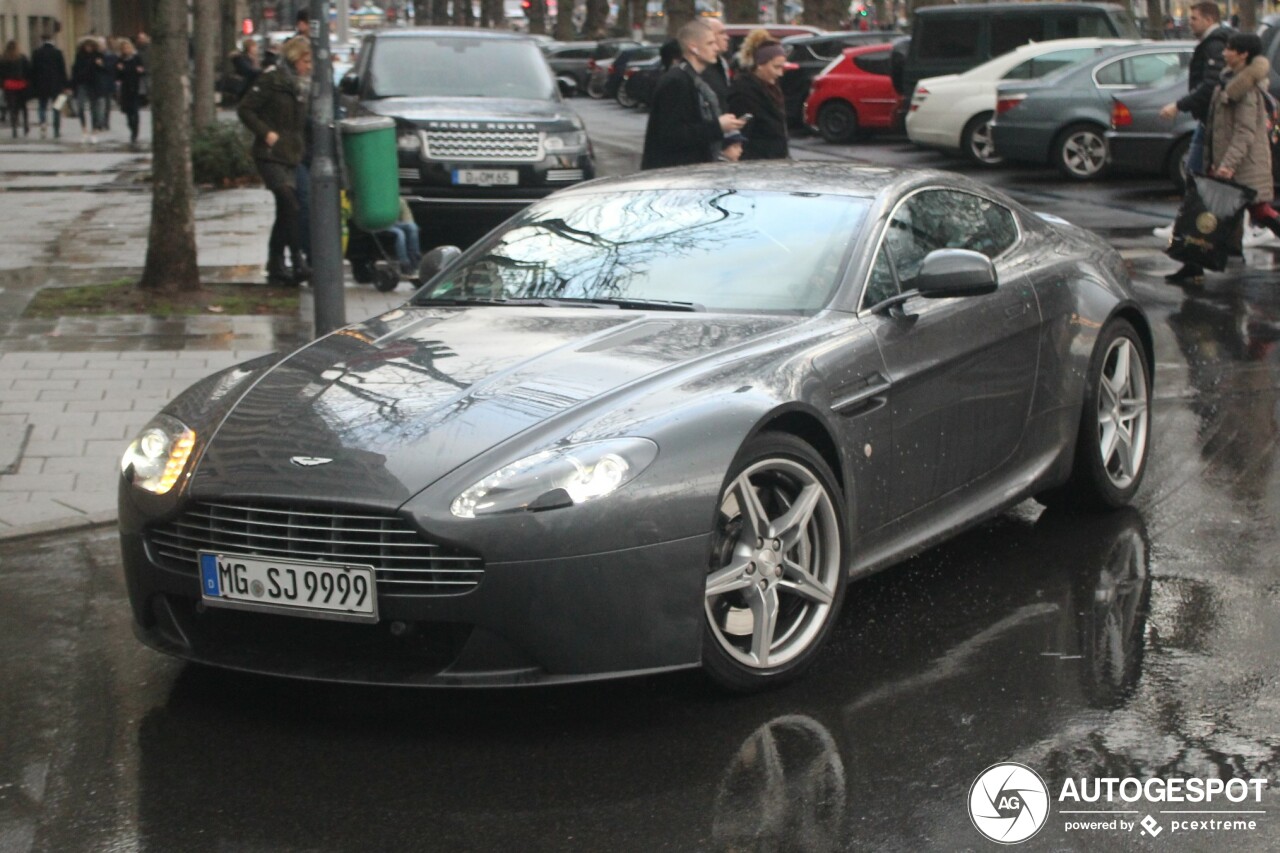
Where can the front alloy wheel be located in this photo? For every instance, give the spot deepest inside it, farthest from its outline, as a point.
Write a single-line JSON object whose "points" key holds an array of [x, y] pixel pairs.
{"points": [[776, 578]]}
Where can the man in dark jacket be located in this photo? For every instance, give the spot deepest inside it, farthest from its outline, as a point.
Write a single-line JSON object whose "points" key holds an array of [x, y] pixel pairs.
{"points": [[686, 124], [717, 71], [1205, 69], [48, 81], [275, 110]]}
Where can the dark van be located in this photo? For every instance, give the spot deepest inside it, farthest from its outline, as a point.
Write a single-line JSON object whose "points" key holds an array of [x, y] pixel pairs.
{"points": [[953, 39]]}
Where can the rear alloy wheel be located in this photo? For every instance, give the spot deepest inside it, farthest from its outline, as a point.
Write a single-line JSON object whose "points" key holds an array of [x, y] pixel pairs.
{"points": [[1115, 425], [837, 122], [625, 98], [776, 577], [978, 143], [1080, 152]]}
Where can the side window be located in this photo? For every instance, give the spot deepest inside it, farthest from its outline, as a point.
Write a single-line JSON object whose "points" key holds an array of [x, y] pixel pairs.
{"points": [[936, 219], [949, 37], [1039, 66], [1152, 69], [1111, 74], [1008, 33], [876, 62]]}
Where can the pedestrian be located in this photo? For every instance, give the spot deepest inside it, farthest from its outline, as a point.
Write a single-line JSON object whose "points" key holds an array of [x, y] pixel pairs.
{"points": [[408, 247], [15, 79], [85, 71], [717, 73], [275, 110], [732, 150], [142, 44], [246, 66], [755, 92], [48, 81], [685, 123], [107, 84], [130, 72], [1239, 143], [302, 24]]}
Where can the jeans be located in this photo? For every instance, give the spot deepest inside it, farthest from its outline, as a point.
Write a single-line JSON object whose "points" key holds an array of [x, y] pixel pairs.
{"points": [[279, 179], [1195, 153], [131, 115], [408, 249], [92, 108], [43, 108], [15, 103]]}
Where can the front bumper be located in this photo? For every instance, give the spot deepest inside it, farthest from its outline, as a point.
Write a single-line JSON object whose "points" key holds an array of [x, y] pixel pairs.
{"points": [[429, 186], [623, 613]]}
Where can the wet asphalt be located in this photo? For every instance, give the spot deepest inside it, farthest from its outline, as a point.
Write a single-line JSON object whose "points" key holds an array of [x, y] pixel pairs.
{"points": [[1137, 643]]}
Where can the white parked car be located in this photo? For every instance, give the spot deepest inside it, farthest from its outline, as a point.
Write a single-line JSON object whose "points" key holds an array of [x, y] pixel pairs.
{"points": [[953, 112]]}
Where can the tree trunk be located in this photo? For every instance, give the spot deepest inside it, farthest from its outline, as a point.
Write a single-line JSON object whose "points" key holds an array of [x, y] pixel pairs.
{"points": [[826, 14], [742, 11], [537, 15], [492, 14], [565, 30], [206, 65], [439, 11], [597, 21], [1248, 12], [171, 244], [679, 13]]}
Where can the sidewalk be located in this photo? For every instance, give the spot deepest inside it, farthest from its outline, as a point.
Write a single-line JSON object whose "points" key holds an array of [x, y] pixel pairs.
{"points": [[73, 391]]}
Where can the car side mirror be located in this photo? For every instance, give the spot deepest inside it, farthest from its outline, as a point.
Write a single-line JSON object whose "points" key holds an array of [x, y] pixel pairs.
{"points": [[568, 86], [349, 84], [945, 273], [436, 261]]}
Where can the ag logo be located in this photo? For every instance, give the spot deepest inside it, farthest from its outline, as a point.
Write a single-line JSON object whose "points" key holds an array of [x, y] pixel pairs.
{"points": [[1206, 223], [1008, 803]]}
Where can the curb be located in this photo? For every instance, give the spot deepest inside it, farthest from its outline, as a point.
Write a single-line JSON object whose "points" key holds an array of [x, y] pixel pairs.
{"points": [[59, 525]]}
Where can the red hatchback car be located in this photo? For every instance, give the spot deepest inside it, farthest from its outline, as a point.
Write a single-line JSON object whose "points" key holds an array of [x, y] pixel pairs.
{"points": [[852, 94]]}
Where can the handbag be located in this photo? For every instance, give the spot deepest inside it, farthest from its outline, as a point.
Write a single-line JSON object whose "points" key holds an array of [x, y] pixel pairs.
{"points": [[1211, 212], [60, 101]]}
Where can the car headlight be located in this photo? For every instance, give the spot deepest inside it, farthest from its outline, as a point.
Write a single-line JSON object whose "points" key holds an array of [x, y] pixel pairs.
{"points": [[409, 141], [156, 458], [560, 477], [564, 143]]}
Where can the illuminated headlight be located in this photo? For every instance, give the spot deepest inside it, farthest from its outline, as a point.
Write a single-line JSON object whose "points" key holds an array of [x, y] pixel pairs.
{"points": [[556, 478], [156, 458], [408, 141], [564, 143]]}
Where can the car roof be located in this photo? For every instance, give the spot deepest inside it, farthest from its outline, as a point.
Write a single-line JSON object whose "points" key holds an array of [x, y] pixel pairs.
{"points": [[843, 34], [1036, 47], [810, 177], [1028, 8], [452, 32]]}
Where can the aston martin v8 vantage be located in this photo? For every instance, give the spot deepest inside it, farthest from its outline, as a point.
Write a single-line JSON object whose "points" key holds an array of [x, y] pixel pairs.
{"points": [[650, 423]]}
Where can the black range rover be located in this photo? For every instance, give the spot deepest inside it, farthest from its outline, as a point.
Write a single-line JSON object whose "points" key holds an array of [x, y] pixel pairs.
{"points": [[481, 127]]}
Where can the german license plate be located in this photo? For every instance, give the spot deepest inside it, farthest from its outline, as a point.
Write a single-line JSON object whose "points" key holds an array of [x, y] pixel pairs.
{"points": [[319, 590], [486, 177]]}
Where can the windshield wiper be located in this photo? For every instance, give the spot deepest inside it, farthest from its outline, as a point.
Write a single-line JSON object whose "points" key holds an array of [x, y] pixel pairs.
{"points": [[499, 300], [640, 304]]}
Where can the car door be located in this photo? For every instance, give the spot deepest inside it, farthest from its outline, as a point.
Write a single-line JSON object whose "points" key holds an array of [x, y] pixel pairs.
{"points": [[962, 370], [877, 100]]}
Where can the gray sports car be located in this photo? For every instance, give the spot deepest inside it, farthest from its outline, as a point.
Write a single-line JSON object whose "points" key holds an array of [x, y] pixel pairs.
{"points": [[651, 423]]}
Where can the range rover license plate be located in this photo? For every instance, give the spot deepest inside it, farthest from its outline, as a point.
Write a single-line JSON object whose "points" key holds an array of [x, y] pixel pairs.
{"points": [[486, 177], [320, 590]]}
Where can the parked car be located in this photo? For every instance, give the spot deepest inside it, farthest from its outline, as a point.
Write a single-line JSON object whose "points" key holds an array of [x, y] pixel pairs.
{"points": [[481, 128], [651, 423], [574, 60], [1062, 119], [812, 54], [613, 71], [1139, 140], [954, 112], [953, 39], [853, 94], [638, 82]]}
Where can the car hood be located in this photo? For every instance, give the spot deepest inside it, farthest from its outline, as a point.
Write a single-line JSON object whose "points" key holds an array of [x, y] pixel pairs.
{"points": [[398, 401], [502, 112]]}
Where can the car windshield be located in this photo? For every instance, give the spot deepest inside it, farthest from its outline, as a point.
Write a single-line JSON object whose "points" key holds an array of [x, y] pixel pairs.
{"points": [[718, 249], [459, 67]]}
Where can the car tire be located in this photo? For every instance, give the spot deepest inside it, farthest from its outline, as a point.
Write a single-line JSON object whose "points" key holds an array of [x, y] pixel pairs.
{"points": [[595, 86], [1115, 425], [977, 143], [1080, 152], [625, 98], [385, 277], [1176, 167], [776, 574], [837, 122]]}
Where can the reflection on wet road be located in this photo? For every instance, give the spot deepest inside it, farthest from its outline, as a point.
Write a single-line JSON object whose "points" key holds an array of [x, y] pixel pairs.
{"points": [[1140, 643]]}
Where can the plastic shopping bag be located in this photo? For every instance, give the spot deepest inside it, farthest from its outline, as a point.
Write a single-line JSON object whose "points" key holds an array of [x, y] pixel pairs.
{"points": [[1211, 212]]}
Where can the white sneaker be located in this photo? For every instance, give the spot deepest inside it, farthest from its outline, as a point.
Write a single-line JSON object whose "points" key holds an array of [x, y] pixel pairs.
{"points": [[93, 139], [1258, 236], [1163, 233]]}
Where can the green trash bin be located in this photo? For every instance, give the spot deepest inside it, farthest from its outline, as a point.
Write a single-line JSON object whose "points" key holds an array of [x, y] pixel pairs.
{"points": [[369, 148]]}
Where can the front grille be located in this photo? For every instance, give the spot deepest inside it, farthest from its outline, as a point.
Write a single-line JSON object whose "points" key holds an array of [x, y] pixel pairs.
{"points": [[481, 145], [558, 175], [408, 174], [404, 563]]}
